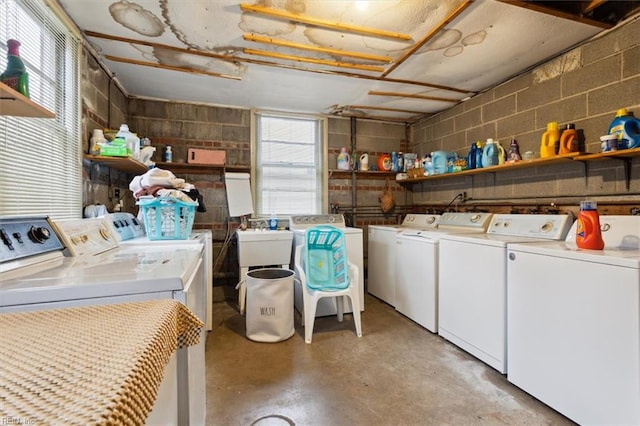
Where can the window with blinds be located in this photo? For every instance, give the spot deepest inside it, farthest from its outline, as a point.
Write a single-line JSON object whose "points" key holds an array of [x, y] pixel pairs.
{"points": [[40, 158], [289, 164]]}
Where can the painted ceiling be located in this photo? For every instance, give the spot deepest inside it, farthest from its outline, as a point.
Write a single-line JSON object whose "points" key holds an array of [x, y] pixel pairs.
{"points": [[387, 59]]}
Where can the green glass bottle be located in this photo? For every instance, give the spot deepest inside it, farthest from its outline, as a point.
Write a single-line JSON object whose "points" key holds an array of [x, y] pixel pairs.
{"points": [[15, 76]]}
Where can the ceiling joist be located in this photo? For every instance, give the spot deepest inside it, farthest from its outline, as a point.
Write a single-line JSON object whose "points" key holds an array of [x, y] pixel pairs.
{"points": [[336, 52], [338, 26], [338, 64], [169, 67], [410, 95], [406, 111]]}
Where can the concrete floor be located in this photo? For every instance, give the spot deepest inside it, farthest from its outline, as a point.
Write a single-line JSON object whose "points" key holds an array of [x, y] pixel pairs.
{"points": [[397, 373]]}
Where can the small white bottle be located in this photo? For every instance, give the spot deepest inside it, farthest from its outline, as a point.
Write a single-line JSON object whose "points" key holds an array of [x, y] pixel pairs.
{"points": [[168, 155]]}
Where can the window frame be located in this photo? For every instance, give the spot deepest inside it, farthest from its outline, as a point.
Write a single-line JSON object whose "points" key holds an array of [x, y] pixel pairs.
{"points": [[321, 167]]}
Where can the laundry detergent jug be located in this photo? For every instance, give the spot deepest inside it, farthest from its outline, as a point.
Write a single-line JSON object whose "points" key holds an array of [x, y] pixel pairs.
{"points": [[490, 153], [471, 157], [569, 140], [384, 162], [440, 160], [344, 160], [550, 139], [627, 128], [588, 233], [364, 162]]}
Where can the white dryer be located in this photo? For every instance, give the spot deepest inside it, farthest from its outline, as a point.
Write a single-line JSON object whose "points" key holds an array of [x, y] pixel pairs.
{"points": [[417, 265], [381, 257], [574, 324], [355, 255], [129, 231], [473, 281]]}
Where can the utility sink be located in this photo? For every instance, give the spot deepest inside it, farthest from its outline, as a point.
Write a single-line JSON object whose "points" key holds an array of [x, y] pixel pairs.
{"points": [[263, 247]]}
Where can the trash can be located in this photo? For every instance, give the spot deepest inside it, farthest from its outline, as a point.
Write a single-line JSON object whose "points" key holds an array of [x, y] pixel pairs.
{"points": [[269, 310]]}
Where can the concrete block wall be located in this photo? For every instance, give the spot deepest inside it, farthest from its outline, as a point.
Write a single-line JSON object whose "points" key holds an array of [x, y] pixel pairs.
{"points": [[584, 86]]}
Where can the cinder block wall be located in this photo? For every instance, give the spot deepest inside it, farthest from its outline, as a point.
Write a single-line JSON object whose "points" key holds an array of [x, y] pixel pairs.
{"points": [[584, 86]]}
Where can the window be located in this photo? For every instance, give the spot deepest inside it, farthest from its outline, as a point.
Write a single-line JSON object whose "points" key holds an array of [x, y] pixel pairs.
{"points": [[40, 158], [289, 164]]}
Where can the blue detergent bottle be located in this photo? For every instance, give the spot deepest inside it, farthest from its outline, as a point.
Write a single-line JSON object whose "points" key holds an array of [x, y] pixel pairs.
{"points": [[490, 154], [478, 155], [471, 157], [627, 128]]}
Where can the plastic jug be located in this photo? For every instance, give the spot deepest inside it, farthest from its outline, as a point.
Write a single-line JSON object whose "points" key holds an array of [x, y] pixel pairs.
{"points": [[478, 155], [133, 142], [502, 154], [364, 162], [569, 140], [549, 139], [384, 162], [440, 161], [471, 157], [427, 164], [514, 152], [490, 154], [394, 162], [588, 233], [627, 128], [344, 159]]}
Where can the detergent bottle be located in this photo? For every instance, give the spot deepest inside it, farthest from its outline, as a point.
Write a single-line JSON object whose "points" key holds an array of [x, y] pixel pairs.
{"points": [[569, 140], [514, 151], [364, 162], [549, 139], [478, 155], [490, 154], [427, 164], [344, 160], [471, 157], [440, 160], [502, 154], [627, 128], [133, 142], [15, 75], [588, 233], [394, 162]]}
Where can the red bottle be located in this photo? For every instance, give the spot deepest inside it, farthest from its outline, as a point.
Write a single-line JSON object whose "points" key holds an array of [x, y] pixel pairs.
{"points": [[588, 234]]}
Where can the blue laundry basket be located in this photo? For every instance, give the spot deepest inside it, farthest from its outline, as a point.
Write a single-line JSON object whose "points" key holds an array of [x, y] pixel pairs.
{"points": [[326, 258]]}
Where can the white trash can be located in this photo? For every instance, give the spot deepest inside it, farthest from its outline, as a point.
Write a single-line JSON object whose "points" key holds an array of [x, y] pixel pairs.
{"points": [[269, 310]]}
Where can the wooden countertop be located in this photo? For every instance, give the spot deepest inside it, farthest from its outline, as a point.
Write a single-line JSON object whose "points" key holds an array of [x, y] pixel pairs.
{"points": [[90, 364]]}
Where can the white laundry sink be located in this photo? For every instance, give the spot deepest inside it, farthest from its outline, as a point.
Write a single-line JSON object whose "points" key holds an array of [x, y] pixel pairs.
{"points": [[258, 247]]}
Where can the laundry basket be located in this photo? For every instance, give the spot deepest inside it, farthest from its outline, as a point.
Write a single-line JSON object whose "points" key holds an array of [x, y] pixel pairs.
{"points": [[326, 258], [269, 311], [167, 218]]}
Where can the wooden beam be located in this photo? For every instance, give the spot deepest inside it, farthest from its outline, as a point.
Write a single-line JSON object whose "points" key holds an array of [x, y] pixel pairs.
{"points": [[383, 109], [169, 67], [429, 36], [592, 5], [280, 14], [337, 52], [410, 95], [314, 60]]}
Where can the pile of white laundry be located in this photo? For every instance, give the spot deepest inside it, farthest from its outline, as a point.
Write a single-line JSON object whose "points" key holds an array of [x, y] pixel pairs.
{"points": [[163, 183]]}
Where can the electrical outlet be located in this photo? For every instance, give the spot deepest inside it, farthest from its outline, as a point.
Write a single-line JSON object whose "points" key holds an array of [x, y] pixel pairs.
{"points": [[116, 193]]}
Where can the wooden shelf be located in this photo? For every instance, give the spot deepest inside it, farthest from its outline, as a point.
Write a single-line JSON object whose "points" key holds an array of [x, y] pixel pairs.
{"points": [[124, 164], [623, 153], [369, 174], [14, 103], [186, 168], [523, 164]]}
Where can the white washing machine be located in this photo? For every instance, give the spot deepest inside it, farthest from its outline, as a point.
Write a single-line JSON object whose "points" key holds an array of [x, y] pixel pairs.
{"points": [[574, 324], [36, 275], [381, 254], [355, 255], [129, 231], [417, 265], [473, 282]]}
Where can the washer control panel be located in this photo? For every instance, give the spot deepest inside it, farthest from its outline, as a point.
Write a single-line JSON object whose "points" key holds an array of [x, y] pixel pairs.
{"points": [[307, 221], [547, 226]]}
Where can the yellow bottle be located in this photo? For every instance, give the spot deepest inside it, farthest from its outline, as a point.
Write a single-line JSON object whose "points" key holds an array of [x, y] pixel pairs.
{"points": [[550, 139]]}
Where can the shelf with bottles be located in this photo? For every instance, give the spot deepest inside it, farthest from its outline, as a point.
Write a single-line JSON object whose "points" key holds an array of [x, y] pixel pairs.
{"points": [[15, 104], [124, 164], [521, 164], [368, 174], [196, 168]]}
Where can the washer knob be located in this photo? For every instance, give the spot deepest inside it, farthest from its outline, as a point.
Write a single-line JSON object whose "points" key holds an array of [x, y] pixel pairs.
{"points": [[39, 234]]}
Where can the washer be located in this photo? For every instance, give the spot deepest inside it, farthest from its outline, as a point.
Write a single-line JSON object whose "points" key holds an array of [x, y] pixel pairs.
{"points": [[473, 281], [574, 324], [129, 231], [355, 255], [417, 265], [36, 275], [381, 256]]}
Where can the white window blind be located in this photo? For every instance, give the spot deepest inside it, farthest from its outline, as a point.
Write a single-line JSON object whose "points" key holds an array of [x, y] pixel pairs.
{"points": [[289, 164], [40, 158]]}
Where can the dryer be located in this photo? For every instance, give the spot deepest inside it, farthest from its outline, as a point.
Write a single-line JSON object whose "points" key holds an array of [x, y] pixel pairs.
{"points": [[473, 281], [417, 253], [574, 324], [381, 258], [353, 238], [129, 231]]}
